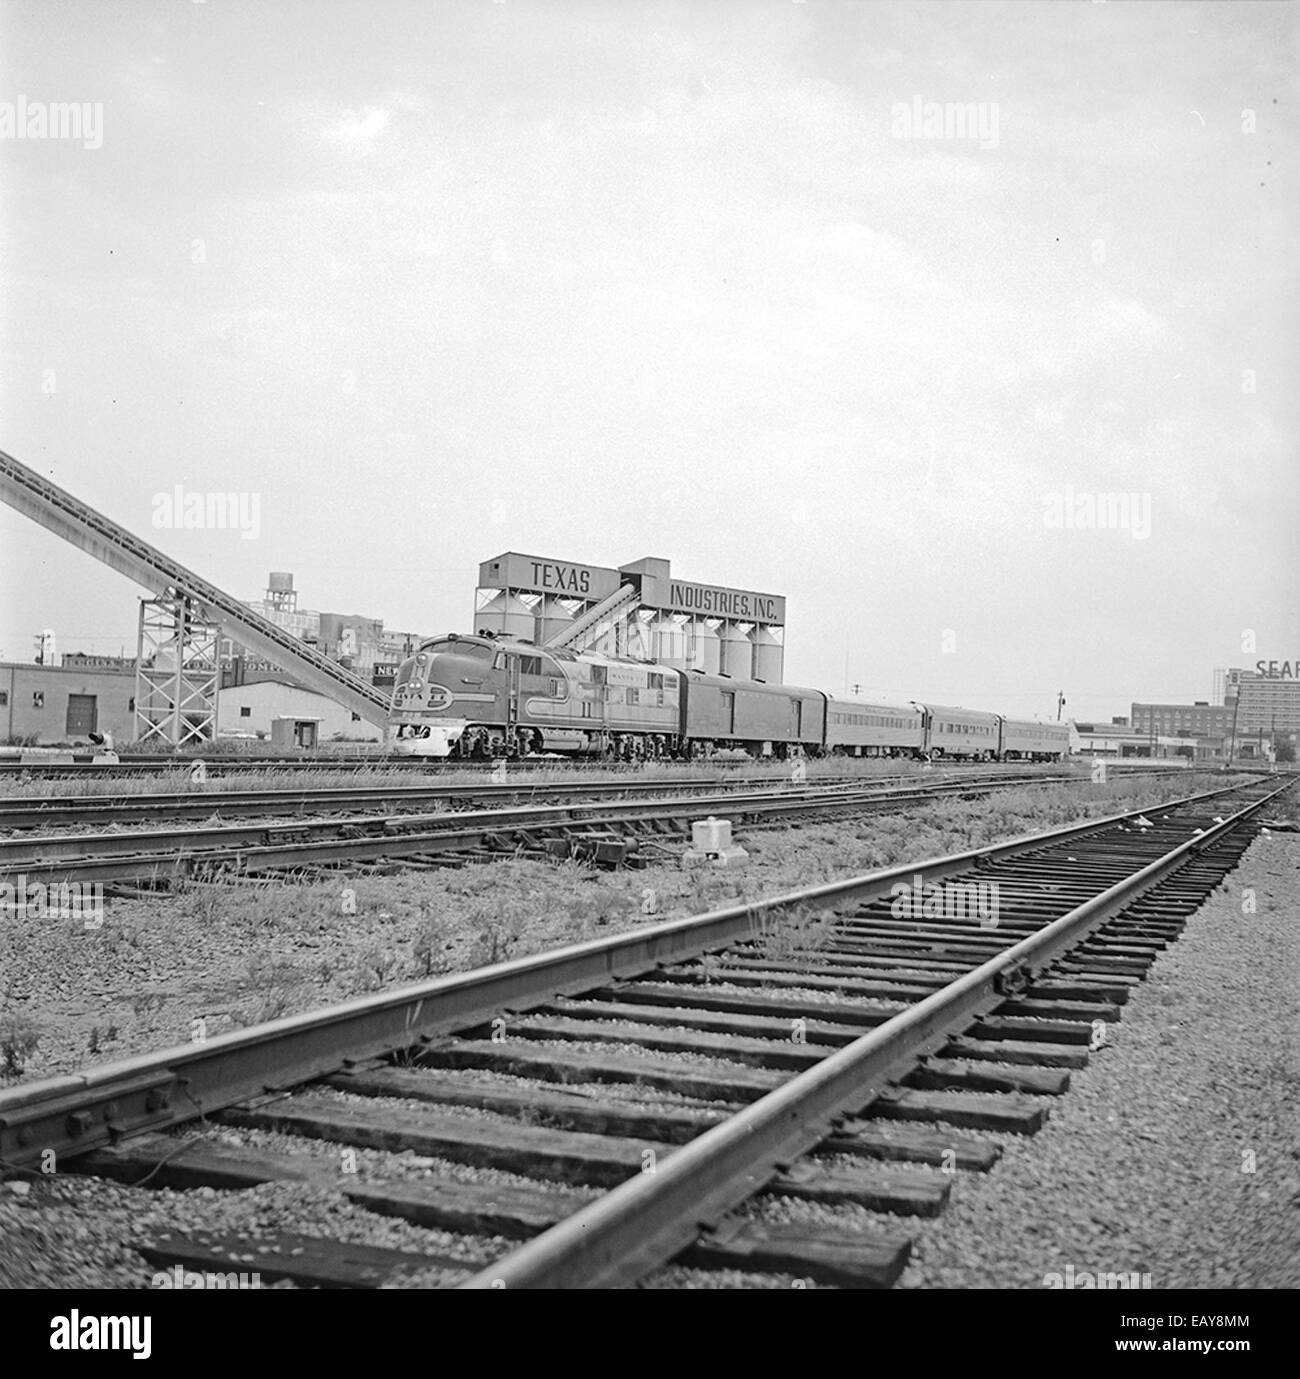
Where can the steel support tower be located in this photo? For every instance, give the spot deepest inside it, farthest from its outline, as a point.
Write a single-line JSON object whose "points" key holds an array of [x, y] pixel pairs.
{"points": [[177, 673]]}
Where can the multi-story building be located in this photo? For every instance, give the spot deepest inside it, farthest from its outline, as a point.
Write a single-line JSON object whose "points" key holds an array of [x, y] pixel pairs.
{"points": [[1265, 702], [1198, 719], [360, 643], [279, 605]]}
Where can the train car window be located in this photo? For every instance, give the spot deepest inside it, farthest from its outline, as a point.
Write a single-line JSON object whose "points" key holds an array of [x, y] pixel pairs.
{"points": [[598, 675], [471, 649], [655, 681], [530, 665], [633, 696]]}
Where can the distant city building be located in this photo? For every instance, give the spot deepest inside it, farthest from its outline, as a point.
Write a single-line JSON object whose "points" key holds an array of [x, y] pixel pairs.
{"points": [[1118, 740], [1267, 701], [280, 606], [1258, 712], [1198, 719], [358, 642]]}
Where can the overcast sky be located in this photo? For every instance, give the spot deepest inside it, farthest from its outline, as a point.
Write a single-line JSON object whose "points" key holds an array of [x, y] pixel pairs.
{"points": [[598, 281]]}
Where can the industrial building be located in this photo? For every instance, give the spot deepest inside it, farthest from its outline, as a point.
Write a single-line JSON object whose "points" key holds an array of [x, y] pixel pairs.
{"points": [[1260, 713], [44, 704], [361, 644], [266, 699], [638, 610], [1119, 739]]}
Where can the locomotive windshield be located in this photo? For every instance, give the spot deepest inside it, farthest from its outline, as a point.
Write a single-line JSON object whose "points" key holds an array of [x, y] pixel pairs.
{"points": [[459, 647]]}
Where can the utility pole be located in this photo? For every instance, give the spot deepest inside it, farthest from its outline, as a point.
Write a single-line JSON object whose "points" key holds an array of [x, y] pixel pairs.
{"points": [[1236, 705], [1060, 703]]}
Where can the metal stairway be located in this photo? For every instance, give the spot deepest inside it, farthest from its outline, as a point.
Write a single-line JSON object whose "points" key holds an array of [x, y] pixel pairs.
{"points": [[58, 511]]}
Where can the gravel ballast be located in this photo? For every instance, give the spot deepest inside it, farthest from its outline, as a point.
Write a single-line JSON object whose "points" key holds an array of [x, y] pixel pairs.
{"points": [[220, 956], [1141, 1169], [1176, 1152]]}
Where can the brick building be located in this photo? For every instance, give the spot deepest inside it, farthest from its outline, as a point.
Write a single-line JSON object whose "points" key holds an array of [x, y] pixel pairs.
{"points": [[47, 704]]}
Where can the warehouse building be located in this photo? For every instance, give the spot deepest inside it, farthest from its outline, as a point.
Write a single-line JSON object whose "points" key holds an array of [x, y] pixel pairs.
{"points": [[1119, 739], [51, 704], [266, 699]]}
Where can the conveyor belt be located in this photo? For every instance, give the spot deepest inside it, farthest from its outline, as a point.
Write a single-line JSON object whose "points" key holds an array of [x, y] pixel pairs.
{"points": [[76, 522]]}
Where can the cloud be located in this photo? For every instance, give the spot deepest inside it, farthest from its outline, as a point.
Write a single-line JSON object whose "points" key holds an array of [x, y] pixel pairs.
{"points": [[359, 130]]}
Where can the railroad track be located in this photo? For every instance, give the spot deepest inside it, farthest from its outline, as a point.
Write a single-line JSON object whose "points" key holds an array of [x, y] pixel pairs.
{"points": [[653, 1096], [201, 803], [156, 856], [219, 765]]}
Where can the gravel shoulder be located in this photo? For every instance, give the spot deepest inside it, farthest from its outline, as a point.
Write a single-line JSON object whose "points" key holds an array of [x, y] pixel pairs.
{"points": [[1176, 1152]]}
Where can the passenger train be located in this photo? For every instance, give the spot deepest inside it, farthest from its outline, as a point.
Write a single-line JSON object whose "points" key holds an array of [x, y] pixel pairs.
{"points": [[494, 696]]}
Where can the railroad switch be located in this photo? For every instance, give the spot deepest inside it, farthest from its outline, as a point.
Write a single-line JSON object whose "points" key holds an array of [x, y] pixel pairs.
{"points": [[605, 849], [711, 845]]}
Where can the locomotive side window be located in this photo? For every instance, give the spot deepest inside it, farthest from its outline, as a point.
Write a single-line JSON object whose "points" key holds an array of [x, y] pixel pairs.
{"points": [[598, 675]]}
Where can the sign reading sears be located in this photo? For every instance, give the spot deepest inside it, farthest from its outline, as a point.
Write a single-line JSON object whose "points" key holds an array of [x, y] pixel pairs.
{"points": [[1278, 670]]}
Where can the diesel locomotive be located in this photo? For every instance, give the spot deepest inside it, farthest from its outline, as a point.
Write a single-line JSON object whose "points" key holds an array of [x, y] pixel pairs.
{"points": [[488, 697]]}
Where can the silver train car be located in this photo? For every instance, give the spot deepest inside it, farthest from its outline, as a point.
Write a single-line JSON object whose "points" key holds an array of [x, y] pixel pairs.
{"points": [[966, 734], [487, 697], [856, 728], [1025, 740]]}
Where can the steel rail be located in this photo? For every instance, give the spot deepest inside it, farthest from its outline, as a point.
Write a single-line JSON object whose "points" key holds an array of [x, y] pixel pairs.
{"points": [[154, 853], [220, 765], [30, 812], [78, 1112], [651, 1217]]}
